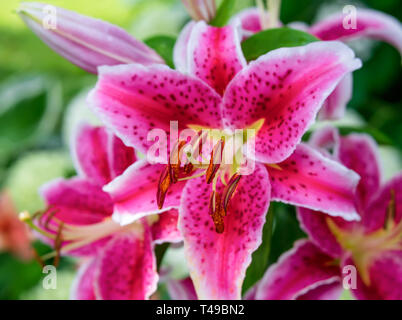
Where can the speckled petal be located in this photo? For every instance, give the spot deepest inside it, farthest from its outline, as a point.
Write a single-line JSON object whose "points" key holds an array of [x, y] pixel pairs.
{"points": [[165, 229], [215, 55], [284, 89], [311, 180], [218, 261], [133, 99], [127, 267], [134, 192], [298, 271]]}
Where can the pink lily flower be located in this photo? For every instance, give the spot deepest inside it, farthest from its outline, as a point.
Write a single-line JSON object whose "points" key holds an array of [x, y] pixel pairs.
{"points": [[279, 95], [86, 42], [201, 9], [120, 260], [372, 245], [369, 23]]}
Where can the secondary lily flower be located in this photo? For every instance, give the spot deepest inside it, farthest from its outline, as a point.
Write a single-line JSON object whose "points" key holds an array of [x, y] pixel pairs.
{"points": [[201, 9], [121, 263], [221, 212], [373, 245], [14, 236], [369, 23], [86, 42]]}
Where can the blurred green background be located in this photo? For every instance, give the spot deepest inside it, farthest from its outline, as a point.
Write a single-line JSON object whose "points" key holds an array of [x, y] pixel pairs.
{"points": [[42, 97]]}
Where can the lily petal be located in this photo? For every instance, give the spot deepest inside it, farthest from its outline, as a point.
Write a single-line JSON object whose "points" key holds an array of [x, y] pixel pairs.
{"points": [[127, 267], [182, 289], [326, 140], [76, 202], [133, 99], [250, 20], [86, 42], [385, 277], [284, 89], [310, 180], [330, 291], [376, 213], [120, 156], [369, 23], [134, 192], [83, 285], [315, 224], [180, 56], [165, 229], [215, 54], [359, 152], [298, 271], [218, 261], [90, 154], [99, 155], [335, 105]]}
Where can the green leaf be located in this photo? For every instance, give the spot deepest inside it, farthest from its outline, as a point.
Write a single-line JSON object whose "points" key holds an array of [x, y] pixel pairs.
{"points": [[29, 112], [260, 257], [163, 45], [160, 251], [272, 39], [223, 13], [286, 230], [380, 137]]}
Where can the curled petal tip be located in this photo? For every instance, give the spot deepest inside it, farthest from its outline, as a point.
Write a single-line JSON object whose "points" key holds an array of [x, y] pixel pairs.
{"points": [[86, 42]]}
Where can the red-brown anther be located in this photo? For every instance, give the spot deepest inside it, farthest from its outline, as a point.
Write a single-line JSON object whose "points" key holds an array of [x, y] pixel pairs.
{"points": [[229, 191], [163, 186], [174, 161], [188, 168], [216, 211], [215, 161]]}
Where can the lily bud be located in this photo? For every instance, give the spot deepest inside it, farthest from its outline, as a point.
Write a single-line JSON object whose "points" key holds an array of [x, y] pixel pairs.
{"points": [[201, 9], [86, 42]]}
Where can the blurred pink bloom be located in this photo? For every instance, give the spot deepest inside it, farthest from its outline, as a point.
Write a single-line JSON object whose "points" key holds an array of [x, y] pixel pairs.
{"points": [[369, 23], [313, 268], [279, 95], [86, 42], [120, 260], [14, 235], [201, 9]]}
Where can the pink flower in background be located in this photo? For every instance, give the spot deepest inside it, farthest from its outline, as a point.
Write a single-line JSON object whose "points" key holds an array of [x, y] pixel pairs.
{"points": [[120, 260], [86, 42], [14, 235], [278, 95], [369, 23], [313, 269]]}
